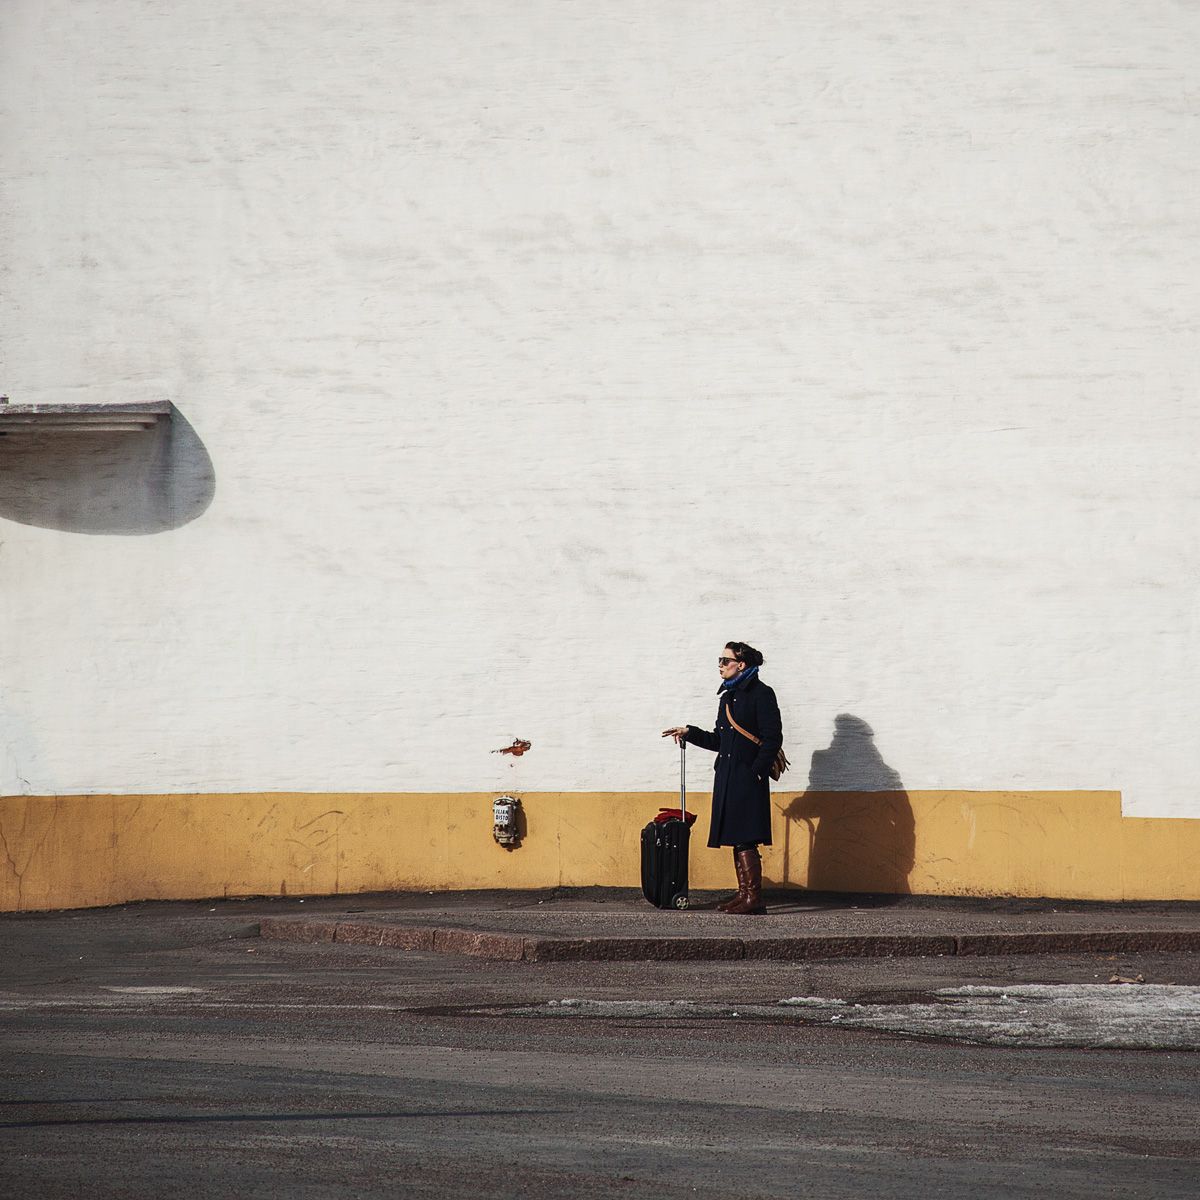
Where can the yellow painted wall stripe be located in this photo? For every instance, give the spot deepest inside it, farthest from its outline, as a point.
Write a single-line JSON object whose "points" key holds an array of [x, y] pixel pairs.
{"points": [[80, 851]]}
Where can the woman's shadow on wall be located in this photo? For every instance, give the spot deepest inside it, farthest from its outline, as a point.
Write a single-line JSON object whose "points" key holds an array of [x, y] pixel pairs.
{"points": [[856, 817], [130, 483]]}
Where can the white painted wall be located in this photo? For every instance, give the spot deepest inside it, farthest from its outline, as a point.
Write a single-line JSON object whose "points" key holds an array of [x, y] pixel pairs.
{"points": [[541, 347]]}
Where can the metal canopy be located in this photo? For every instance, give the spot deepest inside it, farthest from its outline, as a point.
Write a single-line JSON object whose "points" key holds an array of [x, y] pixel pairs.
{"points": [[80, 418]]}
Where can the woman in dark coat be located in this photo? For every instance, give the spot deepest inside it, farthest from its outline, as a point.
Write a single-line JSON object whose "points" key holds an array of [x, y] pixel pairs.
{"points": [[741, 810]]}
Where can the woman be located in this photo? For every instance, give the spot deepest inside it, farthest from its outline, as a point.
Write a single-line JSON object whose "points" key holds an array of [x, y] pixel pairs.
{"points": [[741, 810]]}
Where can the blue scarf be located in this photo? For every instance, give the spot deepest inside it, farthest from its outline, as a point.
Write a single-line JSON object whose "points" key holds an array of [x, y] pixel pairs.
{"points": [[726, 684]]}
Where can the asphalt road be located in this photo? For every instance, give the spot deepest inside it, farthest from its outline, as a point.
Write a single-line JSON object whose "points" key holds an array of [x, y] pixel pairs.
{"points": [[163, 1050]]}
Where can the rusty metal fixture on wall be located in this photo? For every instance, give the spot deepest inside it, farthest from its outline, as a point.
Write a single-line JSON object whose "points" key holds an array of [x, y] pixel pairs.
{"points": [[518, 747], [506, 811]]}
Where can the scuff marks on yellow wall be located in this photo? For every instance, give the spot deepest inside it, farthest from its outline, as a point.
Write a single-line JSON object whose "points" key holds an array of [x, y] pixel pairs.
{"points": [[79, 851]]}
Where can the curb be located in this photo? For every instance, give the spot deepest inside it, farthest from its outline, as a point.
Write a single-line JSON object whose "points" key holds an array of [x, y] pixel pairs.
{"points": [[515, 947]]}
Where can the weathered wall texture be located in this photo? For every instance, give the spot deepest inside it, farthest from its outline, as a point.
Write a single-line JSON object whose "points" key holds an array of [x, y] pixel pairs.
{"points": [[535, 349], [75, 851]]}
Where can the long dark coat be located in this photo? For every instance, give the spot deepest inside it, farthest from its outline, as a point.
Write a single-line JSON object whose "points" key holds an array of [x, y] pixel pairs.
{"points": [[741, 810]]}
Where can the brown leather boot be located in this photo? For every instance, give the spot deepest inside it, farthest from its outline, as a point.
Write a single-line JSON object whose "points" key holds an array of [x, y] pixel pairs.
{"points": [[729, 901], [750, 868]]}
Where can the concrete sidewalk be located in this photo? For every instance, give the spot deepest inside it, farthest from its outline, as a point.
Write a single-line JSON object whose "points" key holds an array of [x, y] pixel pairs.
{"points": [[618, 925]]}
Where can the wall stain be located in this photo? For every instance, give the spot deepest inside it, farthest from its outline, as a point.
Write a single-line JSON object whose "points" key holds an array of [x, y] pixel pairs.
{"points": [[329, 812], [19, 872]]}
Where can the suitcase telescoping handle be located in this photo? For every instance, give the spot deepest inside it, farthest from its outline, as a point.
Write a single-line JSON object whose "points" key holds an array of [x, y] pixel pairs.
{"points": [[683, 781]]}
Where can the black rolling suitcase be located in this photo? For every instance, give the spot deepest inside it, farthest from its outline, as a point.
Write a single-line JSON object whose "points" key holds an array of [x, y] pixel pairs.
{"points": [[665, 850]]}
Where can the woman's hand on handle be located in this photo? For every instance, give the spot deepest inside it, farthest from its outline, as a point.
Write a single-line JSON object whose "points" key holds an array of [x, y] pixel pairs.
{"points": [[678, 732]]}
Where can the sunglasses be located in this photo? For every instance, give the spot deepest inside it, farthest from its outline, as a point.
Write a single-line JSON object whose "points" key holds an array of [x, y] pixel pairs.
{"points": [[724, 662]]}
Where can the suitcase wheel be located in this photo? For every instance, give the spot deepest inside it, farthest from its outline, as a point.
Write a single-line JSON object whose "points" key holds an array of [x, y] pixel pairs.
{"points": [[680, 901]]}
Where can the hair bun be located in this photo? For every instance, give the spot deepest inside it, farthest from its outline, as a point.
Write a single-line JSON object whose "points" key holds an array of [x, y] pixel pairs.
{"points": [[746, 653]]}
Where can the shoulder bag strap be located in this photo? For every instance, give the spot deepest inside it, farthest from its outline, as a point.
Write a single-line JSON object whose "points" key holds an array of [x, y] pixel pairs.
{"points": [[744, 732]]}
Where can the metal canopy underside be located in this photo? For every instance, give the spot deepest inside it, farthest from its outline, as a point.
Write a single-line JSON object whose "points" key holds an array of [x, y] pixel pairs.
{"points": [[80, 418]]}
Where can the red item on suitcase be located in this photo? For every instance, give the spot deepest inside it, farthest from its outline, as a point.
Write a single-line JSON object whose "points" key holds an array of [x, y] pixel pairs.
{"points": [[672, 814]]}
